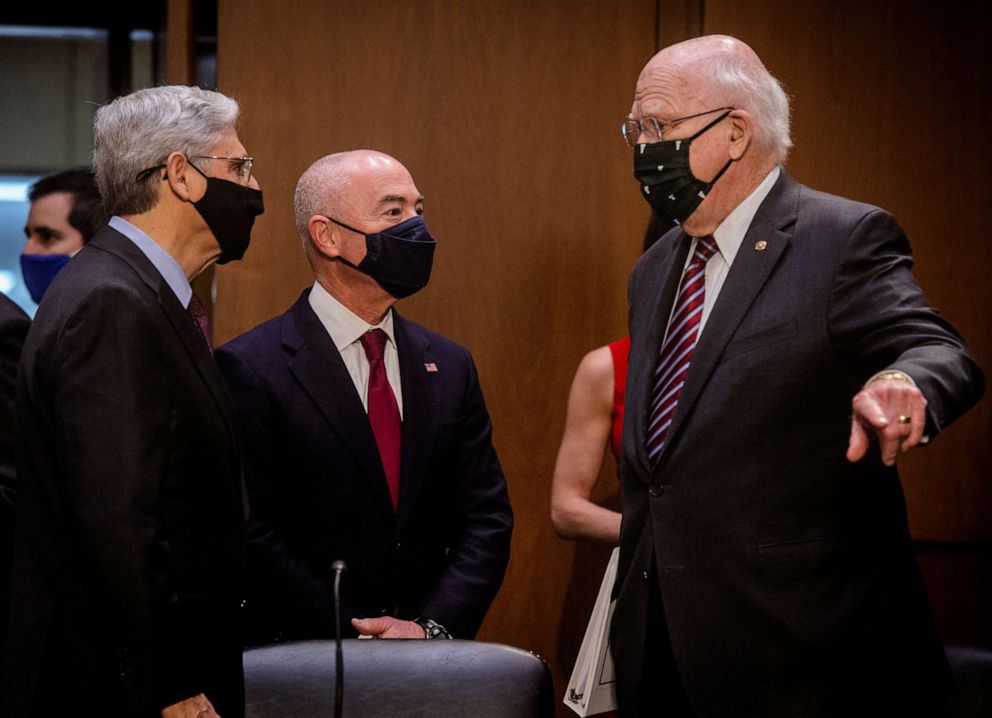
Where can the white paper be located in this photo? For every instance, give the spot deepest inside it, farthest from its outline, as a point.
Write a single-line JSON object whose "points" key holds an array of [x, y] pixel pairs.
{"points": [[591, 689]]}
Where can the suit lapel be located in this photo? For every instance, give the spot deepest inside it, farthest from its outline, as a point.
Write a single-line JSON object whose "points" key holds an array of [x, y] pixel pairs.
{"points": [[318, 367], [421, 410], [112, 241], [647, 342], [750, 271]]}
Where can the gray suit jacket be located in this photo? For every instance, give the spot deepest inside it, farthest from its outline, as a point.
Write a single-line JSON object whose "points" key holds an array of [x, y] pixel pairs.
{"points": [[787, 573]]}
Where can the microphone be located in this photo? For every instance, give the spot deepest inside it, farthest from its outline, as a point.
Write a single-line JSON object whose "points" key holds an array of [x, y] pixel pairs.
{"points": [[339, 567]]}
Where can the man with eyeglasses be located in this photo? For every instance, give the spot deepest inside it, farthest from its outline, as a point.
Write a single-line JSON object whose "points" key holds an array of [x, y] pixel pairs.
{"points": [[782, 356], [129, 543]]}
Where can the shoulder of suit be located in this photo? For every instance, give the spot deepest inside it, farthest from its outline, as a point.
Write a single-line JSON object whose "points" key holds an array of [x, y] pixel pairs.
{"points": [[824, 205], [267, 334], [438, 343]]}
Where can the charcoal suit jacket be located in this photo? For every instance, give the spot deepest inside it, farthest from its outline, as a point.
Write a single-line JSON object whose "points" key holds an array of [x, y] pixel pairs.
{"points": [[318, 492], [129, 555], [14, 325], [786, 573]]}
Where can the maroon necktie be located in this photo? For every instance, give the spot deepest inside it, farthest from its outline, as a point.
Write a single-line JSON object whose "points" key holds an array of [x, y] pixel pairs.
{"points": [[202, 320], [680, 341], [384, 414]]}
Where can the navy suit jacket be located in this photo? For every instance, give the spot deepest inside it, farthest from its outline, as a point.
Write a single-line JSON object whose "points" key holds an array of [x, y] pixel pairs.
{"points": [[129, 551], [318, 492], [786, 572]]}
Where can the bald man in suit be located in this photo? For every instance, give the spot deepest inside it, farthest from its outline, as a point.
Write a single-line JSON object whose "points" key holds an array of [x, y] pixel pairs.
{"points": [[367, 437]]}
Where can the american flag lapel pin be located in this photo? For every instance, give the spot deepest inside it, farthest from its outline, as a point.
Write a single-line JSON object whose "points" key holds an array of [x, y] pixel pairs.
{"points": [[431, 367]]}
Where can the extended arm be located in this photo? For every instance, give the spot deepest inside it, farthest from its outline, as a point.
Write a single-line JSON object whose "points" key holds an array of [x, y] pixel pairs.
{"points": [[880, 320]]}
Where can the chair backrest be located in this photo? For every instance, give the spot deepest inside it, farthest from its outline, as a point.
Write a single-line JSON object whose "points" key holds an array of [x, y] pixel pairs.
{"points": [[972, 668], [397, 678]]}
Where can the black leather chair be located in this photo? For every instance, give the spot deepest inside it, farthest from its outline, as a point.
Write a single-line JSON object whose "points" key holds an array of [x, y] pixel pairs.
{"points": [[972, 668], [404, 678]]}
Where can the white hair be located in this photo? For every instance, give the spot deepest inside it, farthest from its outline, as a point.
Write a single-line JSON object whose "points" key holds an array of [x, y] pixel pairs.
{"points": [[139, 131], [320, 190], [736, 82]]}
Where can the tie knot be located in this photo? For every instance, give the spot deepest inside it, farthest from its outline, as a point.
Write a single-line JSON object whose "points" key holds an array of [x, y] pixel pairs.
{"points": [[705, 248], [374, 344]]}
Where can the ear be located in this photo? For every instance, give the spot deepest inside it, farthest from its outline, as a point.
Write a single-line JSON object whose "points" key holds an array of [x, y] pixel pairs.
{"points": [[741, 133], [179, 174], [324, 236]]}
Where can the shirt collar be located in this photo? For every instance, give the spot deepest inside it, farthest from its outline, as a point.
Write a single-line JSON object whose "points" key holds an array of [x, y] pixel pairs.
{"points": [[730, 234], [168, 267], [343, 325]]}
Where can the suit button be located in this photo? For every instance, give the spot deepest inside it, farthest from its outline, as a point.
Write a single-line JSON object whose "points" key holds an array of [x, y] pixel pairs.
{"points": [[399, 545], [645, 575], [656, 490], [384, 612]]}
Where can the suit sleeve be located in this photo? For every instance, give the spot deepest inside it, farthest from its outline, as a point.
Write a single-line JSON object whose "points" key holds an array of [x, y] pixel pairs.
{"points": [[112, 411], [13, 330], [479, 544], [283, 588], [879, 319]]}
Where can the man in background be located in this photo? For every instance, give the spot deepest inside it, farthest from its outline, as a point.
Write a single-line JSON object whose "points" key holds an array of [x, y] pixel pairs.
{"points": [[128, 558], [66, 211], [366, 436], [782, 356]]}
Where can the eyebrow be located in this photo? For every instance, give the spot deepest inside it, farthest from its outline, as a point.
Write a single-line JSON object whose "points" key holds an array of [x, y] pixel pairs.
{"points": [[399, 198], [40, 228]]}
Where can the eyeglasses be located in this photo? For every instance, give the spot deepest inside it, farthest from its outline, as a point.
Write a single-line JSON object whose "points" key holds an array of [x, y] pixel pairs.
{"points": [[652, 130], [241, 165]]}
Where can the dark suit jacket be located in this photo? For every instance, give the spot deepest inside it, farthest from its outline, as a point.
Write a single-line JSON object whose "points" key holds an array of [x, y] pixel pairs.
{"points": [[787, 575], [14, 324], [318, 492], [129, 554]]}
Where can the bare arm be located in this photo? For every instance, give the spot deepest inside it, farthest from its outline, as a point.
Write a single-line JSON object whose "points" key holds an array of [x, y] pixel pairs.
{"points": [[580, 457]]}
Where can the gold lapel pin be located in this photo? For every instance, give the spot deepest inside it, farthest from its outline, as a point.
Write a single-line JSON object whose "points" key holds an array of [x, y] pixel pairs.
{"points": [[760, 245]]}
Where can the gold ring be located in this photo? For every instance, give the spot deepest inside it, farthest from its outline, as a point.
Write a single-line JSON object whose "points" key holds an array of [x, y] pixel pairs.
{"points": [[903, 419]]}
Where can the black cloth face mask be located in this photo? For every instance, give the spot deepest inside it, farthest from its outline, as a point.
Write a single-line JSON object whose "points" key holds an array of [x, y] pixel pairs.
{"points": [[666, 179], [399, 258], [229, 209]]}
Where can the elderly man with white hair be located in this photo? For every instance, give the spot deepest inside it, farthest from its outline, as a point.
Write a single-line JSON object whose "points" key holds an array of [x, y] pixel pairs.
{"points": [[367, 439], [128, 566], [782, 356]]}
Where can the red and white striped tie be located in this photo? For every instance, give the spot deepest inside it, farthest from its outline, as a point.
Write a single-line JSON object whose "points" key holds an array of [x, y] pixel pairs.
{"points": [[676, 352]]}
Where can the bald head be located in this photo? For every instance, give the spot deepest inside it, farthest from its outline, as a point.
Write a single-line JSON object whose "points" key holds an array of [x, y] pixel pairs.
{"points": [[717, 71], [348, 185]]}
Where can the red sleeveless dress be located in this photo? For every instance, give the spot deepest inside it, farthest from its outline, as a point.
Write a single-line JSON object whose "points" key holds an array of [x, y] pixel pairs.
{"points": [[620, 350]]}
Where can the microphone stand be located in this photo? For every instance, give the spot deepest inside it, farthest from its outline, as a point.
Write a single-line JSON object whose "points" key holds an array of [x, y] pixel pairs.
{"points": [[339, 567]]}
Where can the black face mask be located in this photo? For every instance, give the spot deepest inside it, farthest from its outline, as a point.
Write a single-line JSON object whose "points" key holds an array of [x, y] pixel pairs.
{"points": [[399, 258], [229, 209], [666, 179]]}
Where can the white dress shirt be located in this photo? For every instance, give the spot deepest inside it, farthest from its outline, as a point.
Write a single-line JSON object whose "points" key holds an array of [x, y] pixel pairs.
{"points": [[346, 329], [729, 236]]}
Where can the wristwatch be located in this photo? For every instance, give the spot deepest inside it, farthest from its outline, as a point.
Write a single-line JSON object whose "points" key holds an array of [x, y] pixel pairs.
{"points": [[432, 629]]}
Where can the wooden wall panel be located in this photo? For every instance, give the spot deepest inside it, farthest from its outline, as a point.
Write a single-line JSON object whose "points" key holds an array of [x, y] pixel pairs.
{"points": [[507, 115]]}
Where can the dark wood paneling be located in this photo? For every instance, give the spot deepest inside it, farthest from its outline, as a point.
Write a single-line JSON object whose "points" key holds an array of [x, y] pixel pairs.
{"points": [[507, 115]]}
